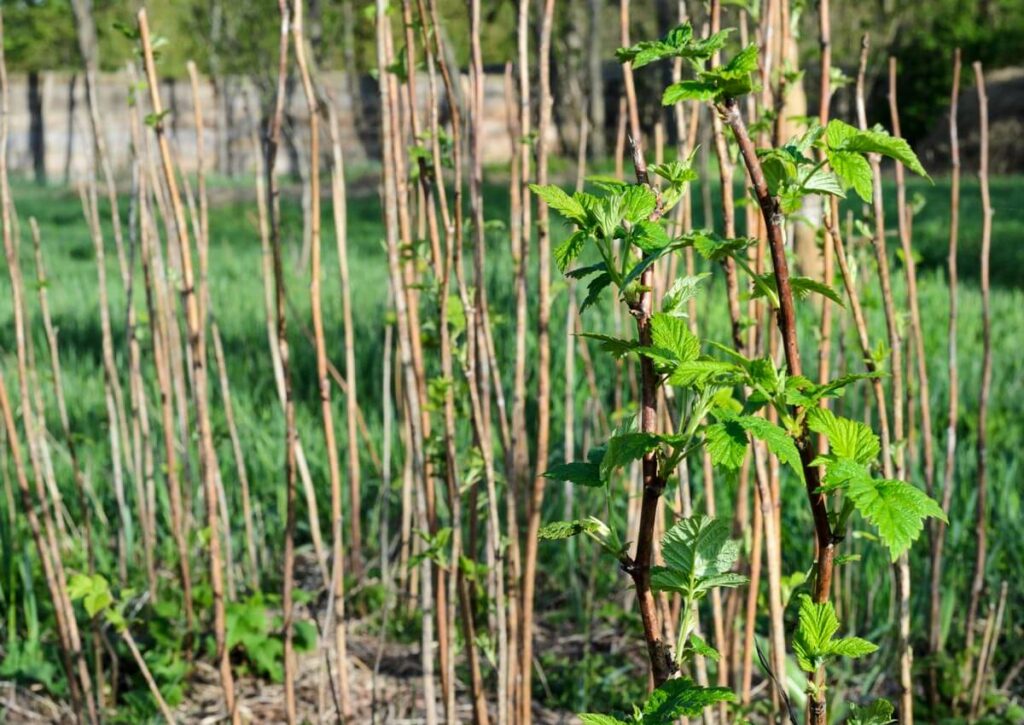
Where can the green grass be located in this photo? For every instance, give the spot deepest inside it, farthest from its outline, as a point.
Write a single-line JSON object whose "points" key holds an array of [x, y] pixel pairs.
{"points": [[236, 296]]}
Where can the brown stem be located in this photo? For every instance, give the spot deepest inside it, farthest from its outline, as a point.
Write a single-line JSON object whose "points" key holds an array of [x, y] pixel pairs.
{"points": [[939, 531], [208, 458], [786, 319], [981, 525]]}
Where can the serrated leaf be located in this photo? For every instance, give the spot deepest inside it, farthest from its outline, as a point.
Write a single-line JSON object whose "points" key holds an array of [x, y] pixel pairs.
{"points": [[699, 373], [561, 202], [649, 236], [594, 289], [681, 292], [715, 248], [567, 252], [897, 509], [584, 272], [681, 697], [675, 172], [726, 443], [638, 203], [582, 473], [773, 436], [801, 287], [854, 171], [822, 181], [842, 136], [698, 557], [880, 142], [879, 712], [849, 439], [614, 346], [741, 64], [592, 718], [703, 648], [689, 90], [813, 642], [672, 334], [558, 530], [626, 448], [852, 647]]}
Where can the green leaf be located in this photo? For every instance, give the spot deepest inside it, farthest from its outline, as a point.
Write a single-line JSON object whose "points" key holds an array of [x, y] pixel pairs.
{"points": [[823, 181], [700, 373], [582, 473], [681, 697], [777, 440], [715, 248], [689, 90], [672, 334], [852, 647], [614, 346], [703, 648], [558, 530], [801, 287], [854, 171], [726, 443], [638, 203], [681, 292], [595, 288], [650, 237], [880, 142], [897, 509], [879, 712], [561, 202], [78, 586], [773, 436], [841, 136], [155, 119], [674, 172], [591, 718], [813, 643], [626, 448], [97, 600], [677, 43], [849, 439], [698, 557], [567, 252]]}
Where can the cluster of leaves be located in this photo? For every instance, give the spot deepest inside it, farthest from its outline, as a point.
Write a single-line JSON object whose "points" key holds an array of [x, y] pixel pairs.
{"points": [[675, 699], [815, 643], [728, 81], [726, 393], [252, 634], [791, 173], [699, 556], [895, 508]]}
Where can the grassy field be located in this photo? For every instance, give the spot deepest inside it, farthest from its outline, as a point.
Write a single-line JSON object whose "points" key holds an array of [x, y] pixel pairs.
{"points": [[236, 298]]}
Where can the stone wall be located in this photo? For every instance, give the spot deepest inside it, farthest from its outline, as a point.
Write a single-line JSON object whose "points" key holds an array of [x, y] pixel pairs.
{"points": [[50, 136]]}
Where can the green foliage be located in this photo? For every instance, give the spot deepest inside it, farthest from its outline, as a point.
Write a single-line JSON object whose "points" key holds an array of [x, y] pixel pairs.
{"points": [[582, 473], [675, 699], [845, 146], [896, 509], [847, 439], [727, 440], [558, 530], [699, 556], [814, 642], [677, 43], [625, 448], [681, 698], [248, 633], [879, 712]]}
